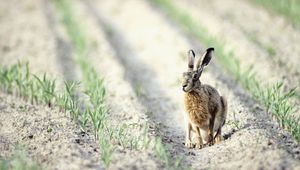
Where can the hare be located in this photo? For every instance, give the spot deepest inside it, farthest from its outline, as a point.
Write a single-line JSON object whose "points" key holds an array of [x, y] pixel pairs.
{"points": [[206, 110]]}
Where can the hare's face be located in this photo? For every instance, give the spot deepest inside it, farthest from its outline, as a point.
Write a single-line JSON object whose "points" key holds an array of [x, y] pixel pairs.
{"points": [[188, 81], [191, 77]]}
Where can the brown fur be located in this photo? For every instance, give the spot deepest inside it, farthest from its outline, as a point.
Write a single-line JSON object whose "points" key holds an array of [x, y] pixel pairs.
{"points": [[205, 108], [194, 104]]}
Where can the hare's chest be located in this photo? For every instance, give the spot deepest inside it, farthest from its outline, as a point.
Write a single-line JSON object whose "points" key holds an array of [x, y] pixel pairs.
{"points": [[196, 108]]}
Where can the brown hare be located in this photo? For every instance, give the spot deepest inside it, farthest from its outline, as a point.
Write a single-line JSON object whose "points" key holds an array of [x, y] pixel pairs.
{"points": [[205, 108]]}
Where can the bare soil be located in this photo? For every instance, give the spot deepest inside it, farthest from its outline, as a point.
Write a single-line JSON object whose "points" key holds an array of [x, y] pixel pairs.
{"points": [[258, 38], [50, 137], [154, 59], [270, 32]]}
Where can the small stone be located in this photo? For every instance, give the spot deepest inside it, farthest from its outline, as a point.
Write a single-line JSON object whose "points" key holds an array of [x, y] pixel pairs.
{"points": [[77, 141], [270, 143], [82, 133], [191, 153]]}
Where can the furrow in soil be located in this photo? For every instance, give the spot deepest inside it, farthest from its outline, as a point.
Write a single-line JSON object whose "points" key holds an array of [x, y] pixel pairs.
{"points": [[154, 61]]}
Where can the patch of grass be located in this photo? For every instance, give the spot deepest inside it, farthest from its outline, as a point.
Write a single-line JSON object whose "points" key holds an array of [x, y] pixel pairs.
{"points": [[93, 83], [72, 27], [18, 161], [276, 101], [162, 153], [164, 156], [17, 79], [97, 113], [274, 97], [67, 102], [128, 139], [290, 9], [106, 149], [47, 89], [235, 124], [8, 78], [139, 90]]}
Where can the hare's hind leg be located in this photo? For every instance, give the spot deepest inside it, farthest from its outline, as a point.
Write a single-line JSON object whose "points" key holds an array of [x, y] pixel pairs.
{"points": [[220, 119], [210, 132], [188, 142], [199, 142]]}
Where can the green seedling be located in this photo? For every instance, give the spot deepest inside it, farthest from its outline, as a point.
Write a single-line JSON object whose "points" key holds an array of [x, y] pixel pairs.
{"points": [[145, 138], [106, 149], [46, 90], [7, 78], [68, 99], [85, 119], [161, 152], [164, 156], [235, 123], [93, 84], [73, 103], [139, 90], [98, 118], [127, 139]]}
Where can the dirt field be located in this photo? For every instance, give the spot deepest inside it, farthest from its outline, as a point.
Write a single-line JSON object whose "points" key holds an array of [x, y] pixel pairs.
{"points": [[141, 55]]}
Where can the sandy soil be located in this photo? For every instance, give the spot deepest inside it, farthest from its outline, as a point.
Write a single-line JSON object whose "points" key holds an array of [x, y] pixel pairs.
{"points": [[271, 32], [141, 56], [124, 105], [275, 48], [51, 139], [157, 71], [24, 39], [31, 40], [250, 40]]}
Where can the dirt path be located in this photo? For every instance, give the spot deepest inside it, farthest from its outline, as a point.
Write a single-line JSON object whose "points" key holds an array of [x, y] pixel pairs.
{"points": [[49, 136], [154, 61]]}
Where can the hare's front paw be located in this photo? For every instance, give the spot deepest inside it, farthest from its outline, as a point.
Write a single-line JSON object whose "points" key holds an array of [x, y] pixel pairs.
{"points": [[199, 145], [188, 144]]}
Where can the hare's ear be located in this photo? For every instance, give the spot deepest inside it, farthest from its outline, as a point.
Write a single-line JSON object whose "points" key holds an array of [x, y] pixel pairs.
{"points": [[207, 56], [191, 58], [204, 60]]}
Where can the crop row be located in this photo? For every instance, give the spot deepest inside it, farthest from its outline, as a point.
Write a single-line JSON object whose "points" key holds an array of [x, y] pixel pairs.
{"points": [[274, 97]]}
